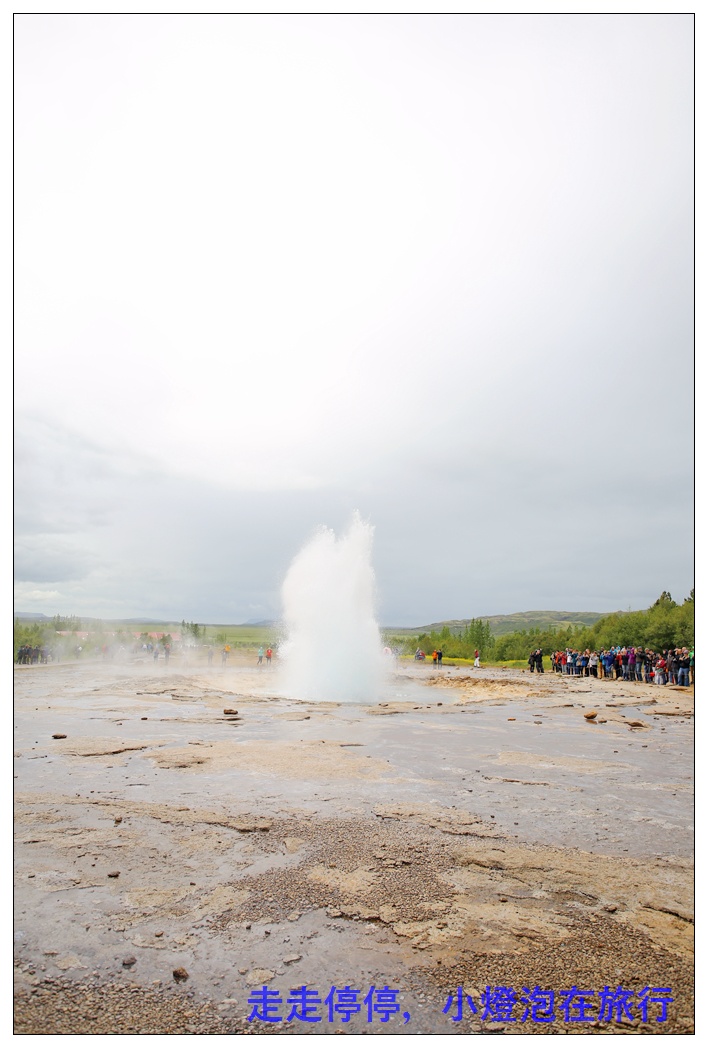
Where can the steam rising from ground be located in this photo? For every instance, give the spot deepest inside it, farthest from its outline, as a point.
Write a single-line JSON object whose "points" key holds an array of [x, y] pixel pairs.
{"points": [[333, 647]]}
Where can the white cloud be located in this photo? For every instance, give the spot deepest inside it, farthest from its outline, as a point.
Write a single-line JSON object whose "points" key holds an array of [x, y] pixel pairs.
{"points": [[325, 258], [29, 597]]}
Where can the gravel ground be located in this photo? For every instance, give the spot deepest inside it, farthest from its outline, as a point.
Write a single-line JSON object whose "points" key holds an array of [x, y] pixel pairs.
{"points": [[496, 839]]}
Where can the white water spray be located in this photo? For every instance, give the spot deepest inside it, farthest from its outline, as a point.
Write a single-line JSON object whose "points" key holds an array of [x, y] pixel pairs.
{"points": [[333, 647]]}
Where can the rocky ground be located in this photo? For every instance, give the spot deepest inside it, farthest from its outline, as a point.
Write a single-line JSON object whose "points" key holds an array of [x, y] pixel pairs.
{"points": [[450, 853]]}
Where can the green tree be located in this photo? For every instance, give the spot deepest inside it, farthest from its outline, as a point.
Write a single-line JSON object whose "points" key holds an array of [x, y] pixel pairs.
{"points": [[70, 623]]}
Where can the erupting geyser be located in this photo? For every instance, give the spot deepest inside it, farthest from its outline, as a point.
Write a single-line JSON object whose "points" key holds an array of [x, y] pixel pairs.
{"points": [[333, 647]]}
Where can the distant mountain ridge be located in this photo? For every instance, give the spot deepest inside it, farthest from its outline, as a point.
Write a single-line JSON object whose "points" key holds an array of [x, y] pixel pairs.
{"points": [[500, 623], [37, 616], [511, 623]]}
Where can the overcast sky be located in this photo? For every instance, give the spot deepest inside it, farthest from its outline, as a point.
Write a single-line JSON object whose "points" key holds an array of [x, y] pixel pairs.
{"points": [[273, 269]]}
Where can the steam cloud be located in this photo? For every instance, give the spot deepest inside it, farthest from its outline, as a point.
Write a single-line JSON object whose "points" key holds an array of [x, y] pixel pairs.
{"points": [[333, 647]]}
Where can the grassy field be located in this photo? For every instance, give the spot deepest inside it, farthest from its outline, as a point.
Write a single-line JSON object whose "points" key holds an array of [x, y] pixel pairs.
{"points": [[125, 632], [467, 662], [241, 636]]}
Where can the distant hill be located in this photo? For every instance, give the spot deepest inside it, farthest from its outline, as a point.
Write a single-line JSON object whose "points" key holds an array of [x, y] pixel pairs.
{"points": [[500, 623], [133, 624], [511, 623]]}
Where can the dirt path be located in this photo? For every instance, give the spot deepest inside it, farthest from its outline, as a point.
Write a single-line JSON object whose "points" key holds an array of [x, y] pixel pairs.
{"points": [[466, 832]]}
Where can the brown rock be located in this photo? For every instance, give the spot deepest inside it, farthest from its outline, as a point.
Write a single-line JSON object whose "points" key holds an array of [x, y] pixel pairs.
{"points": [[230, 712], [250, 825], [590, 715], [180, 974], [129, 961], [259, 976], [114, 875], [58, 736], [118, 819]]}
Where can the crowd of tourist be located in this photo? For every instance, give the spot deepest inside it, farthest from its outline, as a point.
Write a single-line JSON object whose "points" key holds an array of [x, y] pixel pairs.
{"points": [[674, 666], [29, 655]]}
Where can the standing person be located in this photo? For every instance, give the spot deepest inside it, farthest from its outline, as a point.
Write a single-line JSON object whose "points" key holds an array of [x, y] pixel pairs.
{"points": [[539, 660], [660, 670], [209, 656], [439, 657], [593, 662], [434, 656], [268, 655], [668, 658], [261, 652], [609, 663], [531, 661], [477, 663]]}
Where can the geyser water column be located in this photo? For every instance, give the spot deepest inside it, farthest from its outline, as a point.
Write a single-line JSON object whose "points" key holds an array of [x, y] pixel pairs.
{"points": [[333, 648]]}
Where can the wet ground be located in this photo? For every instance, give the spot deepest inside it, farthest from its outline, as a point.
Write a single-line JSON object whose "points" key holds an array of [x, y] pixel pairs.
{"points": [[470, 829]]}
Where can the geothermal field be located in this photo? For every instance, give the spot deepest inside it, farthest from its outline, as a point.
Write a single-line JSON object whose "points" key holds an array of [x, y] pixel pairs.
{"points": [[470, 829], [345, 843]]}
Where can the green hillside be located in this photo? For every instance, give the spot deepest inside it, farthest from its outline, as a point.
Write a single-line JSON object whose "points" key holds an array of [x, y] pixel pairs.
{"points": [[501, 624]]}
